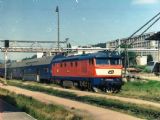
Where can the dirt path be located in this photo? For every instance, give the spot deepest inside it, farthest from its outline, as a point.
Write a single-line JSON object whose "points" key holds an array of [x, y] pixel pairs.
{"points": [[0, 111], [148, 76], [96, 112]]}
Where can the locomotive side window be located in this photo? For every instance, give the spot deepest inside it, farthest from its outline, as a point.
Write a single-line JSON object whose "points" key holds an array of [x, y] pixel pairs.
{"points": [[61, 65], [76, 64], [102, 61], [71, 64], [65, 64], [91, 62]]}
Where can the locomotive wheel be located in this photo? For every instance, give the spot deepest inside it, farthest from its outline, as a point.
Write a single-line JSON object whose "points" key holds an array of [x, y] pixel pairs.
{"points": [[89, 86]]}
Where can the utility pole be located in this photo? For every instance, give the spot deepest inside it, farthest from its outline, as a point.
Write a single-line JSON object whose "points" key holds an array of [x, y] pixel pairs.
{"points": [[5, 63], [58, 32], [6, 45], [119, 47], [158, 51], [125, 57]]}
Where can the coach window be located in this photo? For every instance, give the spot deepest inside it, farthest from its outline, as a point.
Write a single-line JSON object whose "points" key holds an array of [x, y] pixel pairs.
{"points": [[38, 71], [65, 64], [46, 69]]}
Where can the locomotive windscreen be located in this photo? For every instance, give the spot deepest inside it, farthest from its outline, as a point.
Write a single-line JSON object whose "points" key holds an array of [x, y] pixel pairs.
{"points": [[111, 61], [102, 61]]}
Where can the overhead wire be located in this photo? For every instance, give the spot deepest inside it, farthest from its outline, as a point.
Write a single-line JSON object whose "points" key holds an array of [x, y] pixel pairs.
{"points": [[139, 29], [147, 28], [125, 41]]}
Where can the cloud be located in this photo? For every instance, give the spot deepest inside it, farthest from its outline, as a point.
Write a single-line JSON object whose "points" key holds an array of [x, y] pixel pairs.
{"points": [[144, 1]]}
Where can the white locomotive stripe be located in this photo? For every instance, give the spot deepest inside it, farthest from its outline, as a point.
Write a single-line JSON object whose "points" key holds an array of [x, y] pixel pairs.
{"points": [[113, 72]]}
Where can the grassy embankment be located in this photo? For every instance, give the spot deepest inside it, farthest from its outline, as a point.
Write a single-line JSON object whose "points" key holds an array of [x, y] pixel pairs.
{"points": [[38, 110], [137, 110], [146, 90]]}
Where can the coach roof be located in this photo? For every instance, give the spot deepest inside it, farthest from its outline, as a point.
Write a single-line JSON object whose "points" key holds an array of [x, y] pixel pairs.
{"points": [[101, 54], [32, 62]]}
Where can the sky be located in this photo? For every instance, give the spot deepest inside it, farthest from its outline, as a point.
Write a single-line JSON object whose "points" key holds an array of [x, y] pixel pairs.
{"points": [[84, 22]]}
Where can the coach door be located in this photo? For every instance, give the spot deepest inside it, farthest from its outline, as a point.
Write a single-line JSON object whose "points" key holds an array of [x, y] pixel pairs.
{"points": [[38, 75], [84, 67]]}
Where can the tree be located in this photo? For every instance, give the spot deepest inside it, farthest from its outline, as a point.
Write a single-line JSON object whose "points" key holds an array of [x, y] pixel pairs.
{"points": [[28, 58], [69, 46], [9, 61], [34, 56], [149, 58], [131, 60], [102, 45]]}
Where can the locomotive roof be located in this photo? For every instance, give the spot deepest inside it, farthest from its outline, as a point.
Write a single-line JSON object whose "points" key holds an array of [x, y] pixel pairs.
{"points": [[32, 62], [100, 54], [59, 58]]}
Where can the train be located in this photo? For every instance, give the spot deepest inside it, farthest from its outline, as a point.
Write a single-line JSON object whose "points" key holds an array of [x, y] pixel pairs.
{"points": [[100, 70]]}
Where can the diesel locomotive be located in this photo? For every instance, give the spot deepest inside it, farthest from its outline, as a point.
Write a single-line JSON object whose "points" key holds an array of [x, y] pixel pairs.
{"points": [[100, 70]]}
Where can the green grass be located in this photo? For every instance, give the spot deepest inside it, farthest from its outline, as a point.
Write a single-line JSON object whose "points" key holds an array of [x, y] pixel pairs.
{"points": [[38, 109], [137, 110], [145, 112], [147, 90], [40, 88]]}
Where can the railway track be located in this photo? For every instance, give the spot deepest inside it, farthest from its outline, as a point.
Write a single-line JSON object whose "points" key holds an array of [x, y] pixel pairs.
{"points": [[96, 112], [85, 93]]}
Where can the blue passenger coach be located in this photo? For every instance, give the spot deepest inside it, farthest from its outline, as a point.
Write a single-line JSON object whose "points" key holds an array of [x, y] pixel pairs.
{"points": [[34, 69]]}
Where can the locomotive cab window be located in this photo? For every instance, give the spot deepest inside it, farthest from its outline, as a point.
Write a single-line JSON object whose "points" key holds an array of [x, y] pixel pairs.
{"points": [[102, 61]]}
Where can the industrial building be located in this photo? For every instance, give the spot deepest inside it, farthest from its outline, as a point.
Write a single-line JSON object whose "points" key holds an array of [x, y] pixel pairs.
{"points": [[144, 47]]}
